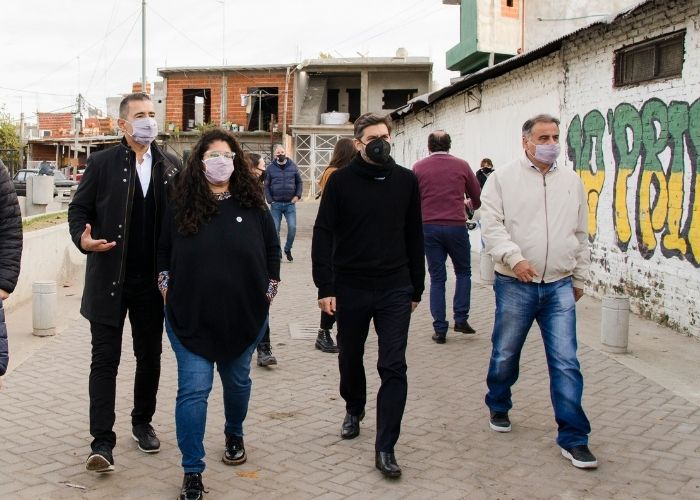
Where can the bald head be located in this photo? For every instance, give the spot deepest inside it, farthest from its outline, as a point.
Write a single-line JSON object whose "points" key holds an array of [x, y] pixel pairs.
{"points": [[439, 141]]}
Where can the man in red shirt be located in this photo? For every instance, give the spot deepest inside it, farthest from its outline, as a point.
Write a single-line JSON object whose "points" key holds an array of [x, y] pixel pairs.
{"points": [[444, 182]]}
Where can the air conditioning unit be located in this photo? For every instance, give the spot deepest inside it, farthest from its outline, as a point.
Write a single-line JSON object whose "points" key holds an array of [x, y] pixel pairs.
{"points": [[44, 133]]}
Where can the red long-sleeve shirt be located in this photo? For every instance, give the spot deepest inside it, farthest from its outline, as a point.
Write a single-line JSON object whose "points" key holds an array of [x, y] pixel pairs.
{"points": [[444, 181]]}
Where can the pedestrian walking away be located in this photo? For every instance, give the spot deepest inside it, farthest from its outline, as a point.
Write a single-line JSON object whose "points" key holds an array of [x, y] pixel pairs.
{"points": [[535, 226], [10, 255], [343, 153], [368, 265], [283, 189], [218, 264], [115, 218], [445, 181], [265, 356]]}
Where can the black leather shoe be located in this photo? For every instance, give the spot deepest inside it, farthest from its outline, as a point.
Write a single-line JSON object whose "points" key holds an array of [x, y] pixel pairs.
{"points": [[385, 461], [145, 436], [351, 425], [439, 338], [192, 487], [464, 328], [288, 254], [235, 451]]}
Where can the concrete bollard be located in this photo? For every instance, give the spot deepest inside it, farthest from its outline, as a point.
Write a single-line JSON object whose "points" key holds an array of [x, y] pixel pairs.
{"points": [[614, 327], [486, 271], [44, 308]]}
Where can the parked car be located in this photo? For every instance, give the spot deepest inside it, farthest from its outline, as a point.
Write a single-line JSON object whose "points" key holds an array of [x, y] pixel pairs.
{"points": [[59, 180]]}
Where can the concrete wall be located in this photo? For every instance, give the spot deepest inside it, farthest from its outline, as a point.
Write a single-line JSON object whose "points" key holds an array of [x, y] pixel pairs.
{"points": [[644, 215], [396, 80], [343, 84], [48, 254], [497, 32]]}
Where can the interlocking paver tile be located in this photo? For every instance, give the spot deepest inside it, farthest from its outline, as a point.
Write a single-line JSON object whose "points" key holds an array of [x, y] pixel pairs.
{"points": [[646, 437]]}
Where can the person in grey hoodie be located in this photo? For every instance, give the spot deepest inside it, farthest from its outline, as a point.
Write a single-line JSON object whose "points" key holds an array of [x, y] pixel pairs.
{"points": [[283, 188], [10, 253]]}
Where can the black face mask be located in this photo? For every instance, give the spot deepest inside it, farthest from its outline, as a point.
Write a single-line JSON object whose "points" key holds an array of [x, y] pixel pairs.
{"points": [[378, 150], [281, 158]]}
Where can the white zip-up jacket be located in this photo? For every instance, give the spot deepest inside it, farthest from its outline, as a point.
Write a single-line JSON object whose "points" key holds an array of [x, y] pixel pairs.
{"points": [[542, 218]]}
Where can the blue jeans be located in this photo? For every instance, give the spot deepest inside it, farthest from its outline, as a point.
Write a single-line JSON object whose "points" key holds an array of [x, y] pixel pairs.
{"points": [[553, 306], [441, 241], [195, 376], [289, 210]]}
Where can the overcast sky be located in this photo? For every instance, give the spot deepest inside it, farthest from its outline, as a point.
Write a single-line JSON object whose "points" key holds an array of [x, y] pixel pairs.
{"points": [[51, 50]]}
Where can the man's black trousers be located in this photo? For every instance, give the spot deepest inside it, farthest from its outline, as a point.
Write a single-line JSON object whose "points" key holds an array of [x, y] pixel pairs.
{"points": [[141, 298], [391, 312]]}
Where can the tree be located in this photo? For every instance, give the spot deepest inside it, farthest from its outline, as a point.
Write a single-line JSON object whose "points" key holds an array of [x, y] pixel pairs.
{"points": [[10, 142]]}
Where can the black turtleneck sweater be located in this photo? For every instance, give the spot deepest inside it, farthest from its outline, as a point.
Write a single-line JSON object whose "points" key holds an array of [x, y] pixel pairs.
{"points": [[368, 232]]}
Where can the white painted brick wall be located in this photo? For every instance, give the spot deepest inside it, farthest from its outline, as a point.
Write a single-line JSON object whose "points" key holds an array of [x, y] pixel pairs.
{"points": [[573, 82]]}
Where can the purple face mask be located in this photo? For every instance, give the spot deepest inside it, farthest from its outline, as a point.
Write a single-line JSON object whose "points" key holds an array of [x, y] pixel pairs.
{"points": [[145, 130], [218, 170], [547, 153]]}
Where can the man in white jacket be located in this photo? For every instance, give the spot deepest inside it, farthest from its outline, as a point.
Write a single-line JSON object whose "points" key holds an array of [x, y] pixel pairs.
{"points": [[535, 219]]}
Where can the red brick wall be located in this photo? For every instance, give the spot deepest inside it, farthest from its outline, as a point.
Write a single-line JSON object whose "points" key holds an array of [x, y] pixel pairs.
{"points": [[238, 83], [60, 124]]}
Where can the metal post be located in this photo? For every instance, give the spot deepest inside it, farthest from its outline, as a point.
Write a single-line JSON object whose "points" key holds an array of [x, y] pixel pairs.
{"points": [[260, 109], [143, 46], [614, 326]]}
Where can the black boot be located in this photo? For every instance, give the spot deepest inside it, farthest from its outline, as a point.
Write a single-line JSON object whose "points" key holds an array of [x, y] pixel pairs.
{"points": [[324, 341], [385, 461], [265, 357]]}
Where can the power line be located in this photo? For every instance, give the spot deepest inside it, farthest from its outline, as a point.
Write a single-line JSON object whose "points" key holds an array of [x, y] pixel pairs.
{"points": [[61, 66], [37, 92], [102, 48], [126, 39]]}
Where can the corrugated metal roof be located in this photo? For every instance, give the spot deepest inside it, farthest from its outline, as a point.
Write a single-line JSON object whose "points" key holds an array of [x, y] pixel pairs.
{"points": [[467, 81]]}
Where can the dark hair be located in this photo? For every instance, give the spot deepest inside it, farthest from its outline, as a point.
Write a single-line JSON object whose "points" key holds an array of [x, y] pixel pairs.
{"points": [[487, 160], [253, 159], [194, 201], [124, 105], [543, 118], [369, 119], [343, 152], [439, 141]]}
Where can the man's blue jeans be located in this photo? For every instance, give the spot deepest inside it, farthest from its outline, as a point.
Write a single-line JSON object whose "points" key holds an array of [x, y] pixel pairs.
{"points": [[441, 241], [553, 306], [289, 210], [195, 376]]}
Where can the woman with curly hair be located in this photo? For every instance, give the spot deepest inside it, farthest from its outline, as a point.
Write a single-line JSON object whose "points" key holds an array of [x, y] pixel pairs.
{"points": [[218, 263]]}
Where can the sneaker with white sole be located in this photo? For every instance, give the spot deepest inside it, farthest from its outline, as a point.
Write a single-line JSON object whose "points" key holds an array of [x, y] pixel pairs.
{"points": [[100, 460], [499, 421], [580, 457]]}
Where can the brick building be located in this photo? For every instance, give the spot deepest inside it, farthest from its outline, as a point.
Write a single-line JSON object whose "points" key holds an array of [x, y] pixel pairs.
{"points": [[627, 92], [55, 124], [249, 97]]}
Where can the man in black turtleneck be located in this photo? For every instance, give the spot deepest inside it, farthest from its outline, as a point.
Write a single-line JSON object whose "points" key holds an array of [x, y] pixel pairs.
{"points": [[368, 264]]}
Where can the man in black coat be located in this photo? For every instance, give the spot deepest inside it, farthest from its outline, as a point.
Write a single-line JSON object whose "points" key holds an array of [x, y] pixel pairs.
{"points": [[10, 253], [115, 218], [368, 265]]}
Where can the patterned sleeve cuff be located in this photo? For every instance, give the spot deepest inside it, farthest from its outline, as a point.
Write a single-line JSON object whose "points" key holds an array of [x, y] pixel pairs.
{"points": [[163, 279], [272, 290]]}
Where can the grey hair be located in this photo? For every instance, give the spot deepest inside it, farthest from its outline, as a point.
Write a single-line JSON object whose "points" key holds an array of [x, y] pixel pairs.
{"points": [[542, 118], [278, 146]]}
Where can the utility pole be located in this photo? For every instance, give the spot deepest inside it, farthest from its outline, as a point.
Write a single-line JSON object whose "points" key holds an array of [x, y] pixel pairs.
{"points": [[143, 46], [77, 123]]}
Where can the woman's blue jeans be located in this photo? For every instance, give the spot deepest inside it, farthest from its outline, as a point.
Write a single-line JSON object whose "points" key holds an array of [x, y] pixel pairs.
{"points": [[195, 376], [553, 306]]}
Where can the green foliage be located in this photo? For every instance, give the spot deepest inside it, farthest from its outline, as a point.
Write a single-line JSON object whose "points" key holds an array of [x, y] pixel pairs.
{"points": [[8, 133]]}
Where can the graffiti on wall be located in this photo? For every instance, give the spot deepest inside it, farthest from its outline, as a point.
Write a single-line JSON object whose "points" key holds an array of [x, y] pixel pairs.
{"points": [[655, 157]]}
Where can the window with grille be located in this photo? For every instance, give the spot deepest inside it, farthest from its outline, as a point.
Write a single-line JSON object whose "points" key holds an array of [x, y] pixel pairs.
{"points": [[659, 58]]}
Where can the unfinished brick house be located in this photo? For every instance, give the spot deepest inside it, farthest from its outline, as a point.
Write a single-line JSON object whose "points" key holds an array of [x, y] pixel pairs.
{"points": [[247, 98]]}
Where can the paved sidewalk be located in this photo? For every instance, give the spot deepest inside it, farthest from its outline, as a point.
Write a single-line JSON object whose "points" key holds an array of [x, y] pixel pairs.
{"points": [[646, 435]]}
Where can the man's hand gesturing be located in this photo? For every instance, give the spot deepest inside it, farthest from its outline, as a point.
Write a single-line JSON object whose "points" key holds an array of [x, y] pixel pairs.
{"points": [[90, 245]]}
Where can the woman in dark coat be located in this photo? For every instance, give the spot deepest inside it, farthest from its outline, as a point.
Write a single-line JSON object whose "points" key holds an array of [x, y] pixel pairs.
{"points": [[10, 253], [218, 263]]}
